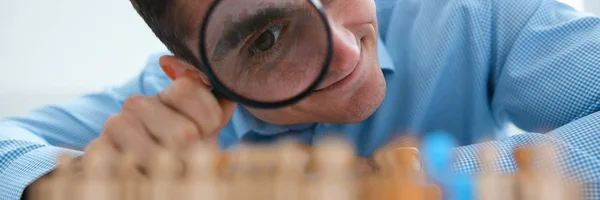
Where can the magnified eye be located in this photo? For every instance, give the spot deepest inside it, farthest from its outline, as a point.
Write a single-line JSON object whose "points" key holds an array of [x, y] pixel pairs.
{"points": [[266, 40]]}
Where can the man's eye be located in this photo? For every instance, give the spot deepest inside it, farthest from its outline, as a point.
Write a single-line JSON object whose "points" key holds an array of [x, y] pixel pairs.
{"points": [[266, 40]]}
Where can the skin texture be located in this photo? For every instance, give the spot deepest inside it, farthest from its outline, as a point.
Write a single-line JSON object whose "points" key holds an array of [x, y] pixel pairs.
{"points": [[186, 111], [349, 105], [280, 72]]}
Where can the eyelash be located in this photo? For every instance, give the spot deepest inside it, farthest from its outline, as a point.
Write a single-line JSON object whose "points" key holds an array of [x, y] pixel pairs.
{"points": [[261, 57]]}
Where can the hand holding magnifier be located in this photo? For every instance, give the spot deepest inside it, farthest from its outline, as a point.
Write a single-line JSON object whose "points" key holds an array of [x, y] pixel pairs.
{"points": [[265, 53]]}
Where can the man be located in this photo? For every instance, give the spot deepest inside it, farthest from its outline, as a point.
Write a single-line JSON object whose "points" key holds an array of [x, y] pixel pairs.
{"points": [[467, 67]]}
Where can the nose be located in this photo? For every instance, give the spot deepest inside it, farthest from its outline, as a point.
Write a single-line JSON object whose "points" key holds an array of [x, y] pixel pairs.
{"points": [[346, 49]]}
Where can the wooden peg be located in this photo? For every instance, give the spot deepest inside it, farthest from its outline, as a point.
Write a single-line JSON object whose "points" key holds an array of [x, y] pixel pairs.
{"points": [[491, 184], [129, 177], [41, 189], [254, 170], [525, 181], [60, 180], [163, 174], [549, 181], [223, 164], [334, 159], [524, 159], [98, 182], [373, 186], [405, 162], [407, 175], [201, 180], [385, 157], [488, 187], [432, 192], [291, 166], [240, 186]]}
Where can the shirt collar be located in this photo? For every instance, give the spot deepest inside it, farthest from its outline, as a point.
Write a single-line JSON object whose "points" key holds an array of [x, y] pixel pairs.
{"points": [[385, 60], [244, 121]]}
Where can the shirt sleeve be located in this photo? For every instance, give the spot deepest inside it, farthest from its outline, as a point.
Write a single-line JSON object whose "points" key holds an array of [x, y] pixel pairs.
{"points": [[30, 144], [577, 152], [545, 80], [546, 62]]}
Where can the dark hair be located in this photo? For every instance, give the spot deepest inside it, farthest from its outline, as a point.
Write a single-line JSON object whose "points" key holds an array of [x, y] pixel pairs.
{"points": [[164, 20]]}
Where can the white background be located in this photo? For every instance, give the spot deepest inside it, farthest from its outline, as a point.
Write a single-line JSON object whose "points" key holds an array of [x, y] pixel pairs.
{"points": [[55, 50]]}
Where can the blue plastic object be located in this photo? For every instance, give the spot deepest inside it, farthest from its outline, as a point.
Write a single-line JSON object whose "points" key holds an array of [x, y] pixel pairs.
{"points": [[436, 150]]}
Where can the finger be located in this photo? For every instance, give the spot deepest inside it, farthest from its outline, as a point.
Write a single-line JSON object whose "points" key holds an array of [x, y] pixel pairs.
{"points": [[104, 147], [129, 135], [171, 129], [101, 143], [228, 108], [195, 101]]}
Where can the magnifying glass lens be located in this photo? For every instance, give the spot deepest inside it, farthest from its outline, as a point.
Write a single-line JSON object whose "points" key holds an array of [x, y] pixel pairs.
{"points": [[266, 50]]}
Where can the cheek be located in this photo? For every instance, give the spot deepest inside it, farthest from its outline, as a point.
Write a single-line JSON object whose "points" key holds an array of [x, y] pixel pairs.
{"points": [[358, 105], [369, 97]]}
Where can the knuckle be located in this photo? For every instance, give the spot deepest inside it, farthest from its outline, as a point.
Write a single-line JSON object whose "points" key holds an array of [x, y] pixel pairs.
{"points": [[213, 121], [186, 88], [92, 145], [209, 124], [212, 117], [188, 131], [172, 95], [117, 125], [114, 122], [183, 87], [134, 102], [186, 83], [98, 143], [214, 110]]}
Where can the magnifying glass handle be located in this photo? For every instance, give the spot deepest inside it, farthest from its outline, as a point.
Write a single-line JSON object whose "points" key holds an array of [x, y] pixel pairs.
{"points": [[217, 94]]}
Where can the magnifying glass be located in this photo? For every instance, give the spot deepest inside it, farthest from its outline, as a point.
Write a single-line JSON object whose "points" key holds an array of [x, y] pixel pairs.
{"points": [[265, 53]]}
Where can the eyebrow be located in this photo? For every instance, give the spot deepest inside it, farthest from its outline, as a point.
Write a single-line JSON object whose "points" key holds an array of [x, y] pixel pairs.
{"points": [[239, 31]]}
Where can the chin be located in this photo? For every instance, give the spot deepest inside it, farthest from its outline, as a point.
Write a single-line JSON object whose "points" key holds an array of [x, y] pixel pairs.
{"points": [[330, 108], [361, 105]]}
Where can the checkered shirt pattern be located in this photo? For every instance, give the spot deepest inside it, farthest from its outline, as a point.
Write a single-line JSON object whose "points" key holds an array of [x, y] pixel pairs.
{"points": [[465, 66]]}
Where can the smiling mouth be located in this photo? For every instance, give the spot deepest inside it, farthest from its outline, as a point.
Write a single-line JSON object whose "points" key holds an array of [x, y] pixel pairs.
{"points": [[345, 80]]}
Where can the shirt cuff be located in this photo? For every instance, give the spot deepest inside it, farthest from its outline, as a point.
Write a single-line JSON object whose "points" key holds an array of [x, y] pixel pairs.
{"points": [[28, 168]]}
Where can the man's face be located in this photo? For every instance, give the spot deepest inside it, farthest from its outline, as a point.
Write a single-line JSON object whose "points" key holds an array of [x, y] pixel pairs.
{"points": [[354, 86]]}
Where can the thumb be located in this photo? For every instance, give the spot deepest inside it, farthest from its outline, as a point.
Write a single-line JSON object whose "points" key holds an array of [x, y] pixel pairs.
{"points": [[227, 105], [228, 108]]}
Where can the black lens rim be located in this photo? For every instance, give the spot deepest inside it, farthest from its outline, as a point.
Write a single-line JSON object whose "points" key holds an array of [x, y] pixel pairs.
{"points": [[221, 90]]}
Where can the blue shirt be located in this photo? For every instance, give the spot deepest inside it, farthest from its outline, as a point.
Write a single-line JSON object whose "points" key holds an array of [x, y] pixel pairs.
{"points": [[468, 67]]}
